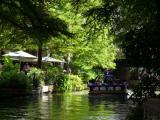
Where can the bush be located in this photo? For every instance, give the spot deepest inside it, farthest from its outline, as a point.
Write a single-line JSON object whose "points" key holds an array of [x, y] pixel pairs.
{"points": [[65, 82], [37, 75], [77, 83], [8, 65], [62, 83], [51, 74], [12, 78], [87, 75]]}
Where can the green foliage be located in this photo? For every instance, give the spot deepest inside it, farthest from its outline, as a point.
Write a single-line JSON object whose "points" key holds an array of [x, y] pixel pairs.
{"points": [[8, 65], [99, 52], [37, 75], [77, 83], [33, 21], [51, 74], [62, 83], [66, 83], [135, 25], [87, 75], [38, 26], [84, 52], [12, 78]]}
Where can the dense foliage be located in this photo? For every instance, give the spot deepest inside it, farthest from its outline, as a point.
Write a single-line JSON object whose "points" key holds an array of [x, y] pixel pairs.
{"points": [[77, 83], [62, 81], [51, 74], [37, 76], [32, 21], [39, 22], [82, 53], [12, 78], [35, 23], [135, 23]]}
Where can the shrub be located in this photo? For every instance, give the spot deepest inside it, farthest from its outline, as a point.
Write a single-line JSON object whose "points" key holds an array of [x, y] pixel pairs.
{"points": [[14, 79], [77, 83], [62, 83], [65, 82], [37, 75], [8, 65], [51, 74]]}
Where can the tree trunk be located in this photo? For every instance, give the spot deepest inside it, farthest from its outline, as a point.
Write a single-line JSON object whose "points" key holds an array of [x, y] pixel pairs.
{"points": [[39, 62]]}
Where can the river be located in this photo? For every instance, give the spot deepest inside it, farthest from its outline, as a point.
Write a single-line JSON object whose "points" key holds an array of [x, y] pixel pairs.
{"points": [[70, 106]]}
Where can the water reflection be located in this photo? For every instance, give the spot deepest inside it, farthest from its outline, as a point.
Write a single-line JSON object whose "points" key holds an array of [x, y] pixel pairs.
{"points": [[108, 107], [64, 107]]}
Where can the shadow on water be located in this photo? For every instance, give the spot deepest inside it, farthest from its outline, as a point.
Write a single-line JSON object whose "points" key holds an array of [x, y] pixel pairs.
{"points": [[111, 107], [108, 98], [22, 108], [14, 108]]}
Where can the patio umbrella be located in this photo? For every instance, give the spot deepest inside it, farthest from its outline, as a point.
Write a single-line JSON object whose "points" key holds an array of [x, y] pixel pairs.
{"points": [[50, 59], [11, 54], [22, 56]]}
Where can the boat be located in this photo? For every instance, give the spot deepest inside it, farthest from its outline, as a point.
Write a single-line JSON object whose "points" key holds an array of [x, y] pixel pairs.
{"points": [[109, 87]]}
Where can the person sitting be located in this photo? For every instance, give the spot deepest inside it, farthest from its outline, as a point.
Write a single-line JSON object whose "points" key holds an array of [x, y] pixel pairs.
{"points": [[26, 68], [91, 84], [108, 74]]}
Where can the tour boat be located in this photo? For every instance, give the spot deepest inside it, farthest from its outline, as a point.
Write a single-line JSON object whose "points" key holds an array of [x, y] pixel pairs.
{"points": [[109, 87]]}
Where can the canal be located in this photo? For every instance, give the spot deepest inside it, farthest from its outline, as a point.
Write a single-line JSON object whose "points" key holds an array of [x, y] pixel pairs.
{"points": [[71, 106]]}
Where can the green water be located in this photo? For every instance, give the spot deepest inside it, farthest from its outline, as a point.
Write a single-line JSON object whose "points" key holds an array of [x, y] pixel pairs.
{"points": [[73, 106]]}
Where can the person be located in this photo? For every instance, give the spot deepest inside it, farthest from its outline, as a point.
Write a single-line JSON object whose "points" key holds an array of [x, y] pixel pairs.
{"points": [[108, 75], [91, 84], [26, 68]]}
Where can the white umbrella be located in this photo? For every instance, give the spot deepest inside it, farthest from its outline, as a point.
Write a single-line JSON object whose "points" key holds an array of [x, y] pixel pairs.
{"points": [[11, 54], [50, 59], [21, 56], [25, 54]]}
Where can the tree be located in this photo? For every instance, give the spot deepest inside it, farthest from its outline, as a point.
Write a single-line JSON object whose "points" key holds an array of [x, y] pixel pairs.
{"points": [[85, 52], [33, 20], [135, 25], [143, 39]]}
